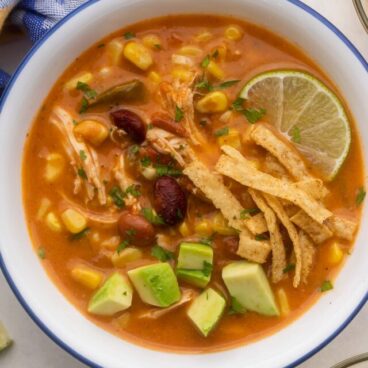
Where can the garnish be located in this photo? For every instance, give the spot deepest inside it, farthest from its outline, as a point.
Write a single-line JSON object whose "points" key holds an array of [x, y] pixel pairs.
{"points": [[82, 155], [129, 35], [247, 212], [157, 46], [205, 62], [151, 216], [295, 135], [261, 237], [84, 105], [221, 132], [204, 84], [289, 267], [360, 196], [86, 89], [161, 254], [133, 190], [228, 84], [326, 285], [215, 54], [168, 170], [252, 115], [145, 161], [134, 149], [80, 235], [122, 246], [203, 123], [75, 122], [207, 268], [236, 307], [179, 114], [41, 252], [117, 196], [82, 173]]}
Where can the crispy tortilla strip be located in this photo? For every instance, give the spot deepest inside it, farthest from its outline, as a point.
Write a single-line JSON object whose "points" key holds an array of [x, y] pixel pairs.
{"points": [[238, 168], [272, 166], [342, 227], [314, 187], [264, 137], [276, 206], [257, 224], [253, 250], [319, 233], [289, 208], [277, 246], [308, 254]]}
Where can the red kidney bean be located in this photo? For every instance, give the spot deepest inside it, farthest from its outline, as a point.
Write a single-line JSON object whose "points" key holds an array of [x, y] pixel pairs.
{"points": [[136, 229], [131, 123], [170, 201]]}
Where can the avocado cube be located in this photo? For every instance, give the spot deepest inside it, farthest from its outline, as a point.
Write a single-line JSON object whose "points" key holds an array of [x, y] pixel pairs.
{"points": [[206, 310], [194, 277], [193, 255], [115, 295], [248, 284], [5, 340], [156, 284]]}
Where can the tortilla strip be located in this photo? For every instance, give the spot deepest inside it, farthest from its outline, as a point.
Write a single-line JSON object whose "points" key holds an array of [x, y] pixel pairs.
{"points": [[277, 246], [319, 233], [314, 187], [215, 190], [253, 250], [272, 166], [308, 253], [276, 206], [342, 227], [238, 168], [257, 224], [264, 137]]}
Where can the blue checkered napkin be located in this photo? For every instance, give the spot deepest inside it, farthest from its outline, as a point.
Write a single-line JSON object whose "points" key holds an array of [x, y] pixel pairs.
{"points": [[37, 17]]}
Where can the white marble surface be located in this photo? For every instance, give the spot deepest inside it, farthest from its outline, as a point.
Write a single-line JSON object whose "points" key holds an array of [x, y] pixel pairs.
{"points": [[32, 349]]}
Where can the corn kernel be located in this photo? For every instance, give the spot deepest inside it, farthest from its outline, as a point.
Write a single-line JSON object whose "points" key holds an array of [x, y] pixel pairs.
{"points": [[203, 228], [190, 51], [335, 254], [154, 77], [182, 74], [204, 36], [44, 207], [87, 276], [138, 54], [215, 70], [84, 78], [213, 102], [283, 302], [54, 167], [53, 222], [220, 226], [92, 131], [73, 220], [126, 256], [234, 33], [230, 139], [115, 50], [184, 229], [152, 41]]}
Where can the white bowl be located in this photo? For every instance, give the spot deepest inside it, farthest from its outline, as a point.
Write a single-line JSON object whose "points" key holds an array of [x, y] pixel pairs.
{"points": [[27, 90]]}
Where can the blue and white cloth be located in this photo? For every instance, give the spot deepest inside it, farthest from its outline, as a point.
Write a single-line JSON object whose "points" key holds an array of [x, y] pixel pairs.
{"points": [[37, 17]]}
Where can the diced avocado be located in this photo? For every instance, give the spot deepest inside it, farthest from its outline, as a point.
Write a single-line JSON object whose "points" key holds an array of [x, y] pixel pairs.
{"points": [[115, 295], [156, 284], [5, 340], [248, 284], [193, 255], [194, 277], [206, 310]]}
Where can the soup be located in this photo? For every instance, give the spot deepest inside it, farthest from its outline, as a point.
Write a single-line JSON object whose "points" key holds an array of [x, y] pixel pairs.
{"points": [[188, 196]]}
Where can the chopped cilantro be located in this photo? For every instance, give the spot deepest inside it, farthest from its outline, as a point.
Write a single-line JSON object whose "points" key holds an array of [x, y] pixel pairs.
{"points": [[261, 237], [82, 173], [295, 135], [253, 115], [117, 196], [151, 216], [237, 105], [289, 267], [149, 126], [129, 35], [228, 84], [133, 190], [221, 132], [215, 54], [41, 252], [122, 246], [84, 105], [236, 307], [82, 155], [360, 196], [247, 212], [87, 90], [204, 84], [145, 161], [207, 268], [326, 285], [80, 235], [157, 46], [134, 149], [205, 62], [75, 122], [179, 114], [161, 254], [162, 170]]}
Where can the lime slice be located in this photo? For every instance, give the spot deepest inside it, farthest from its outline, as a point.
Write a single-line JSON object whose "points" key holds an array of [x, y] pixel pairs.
{"points": [[304, 110]]}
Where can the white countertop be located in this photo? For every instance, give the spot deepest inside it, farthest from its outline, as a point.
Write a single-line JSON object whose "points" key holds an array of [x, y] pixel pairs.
{"points": [[33, 349]]}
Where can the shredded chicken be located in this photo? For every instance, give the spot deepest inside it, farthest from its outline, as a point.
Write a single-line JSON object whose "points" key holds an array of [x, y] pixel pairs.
{"points": [[82, 156]]}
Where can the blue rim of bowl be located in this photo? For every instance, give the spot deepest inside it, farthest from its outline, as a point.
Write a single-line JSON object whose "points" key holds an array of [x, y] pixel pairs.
{"points": [[6, 273]]}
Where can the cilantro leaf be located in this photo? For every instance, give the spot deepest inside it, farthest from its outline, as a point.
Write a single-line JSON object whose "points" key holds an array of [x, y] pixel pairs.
{"points": [[161, 254], [41, 252], [326, 285], [82, 155], [168, 170], [82, 173], [236, 307], [360, 196], [289, 267], [295, 135], [133, 190], [145, 161], [221, 132], [134, 149], [84, 105], [86, 89], [253, 115], [122, 246], [207, 268], [205, 62], [228, 84], [117, 196], [237, 105], [151, 216], [80, 235], [179, 114], [129, 35]]}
